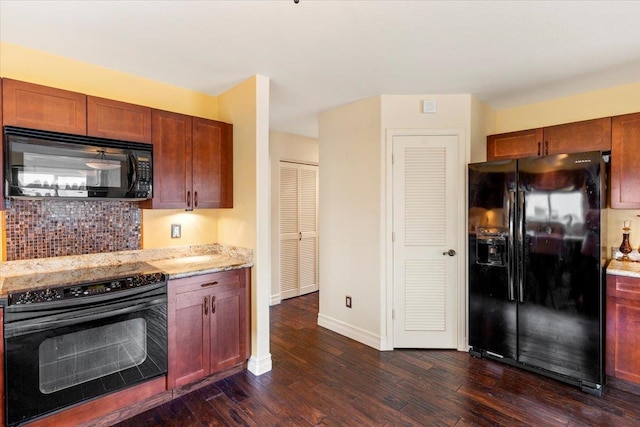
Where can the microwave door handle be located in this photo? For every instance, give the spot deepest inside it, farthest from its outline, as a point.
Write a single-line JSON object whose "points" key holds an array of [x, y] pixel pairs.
{"points": [[134, 168]]}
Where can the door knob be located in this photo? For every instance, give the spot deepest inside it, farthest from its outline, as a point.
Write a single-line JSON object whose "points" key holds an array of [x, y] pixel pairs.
{"points": [[450, 252]]}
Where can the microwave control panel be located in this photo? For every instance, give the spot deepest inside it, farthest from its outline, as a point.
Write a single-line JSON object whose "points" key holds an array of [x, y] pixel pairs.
{"points": [[145, 178]]}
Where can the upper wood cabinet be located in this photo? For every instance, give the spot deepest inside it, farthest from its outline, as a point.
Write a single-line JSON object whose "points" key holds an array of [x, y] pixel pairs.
{"points": [[40, 107], [212, 163], [587, 135], [193, 162], [107, 118], [513, 145], [625, 162]]}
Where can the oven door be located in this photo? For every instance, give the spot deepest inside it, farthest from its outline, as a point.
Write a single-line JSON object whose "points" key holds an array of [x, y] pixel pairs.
{"points": [[83, 353]]}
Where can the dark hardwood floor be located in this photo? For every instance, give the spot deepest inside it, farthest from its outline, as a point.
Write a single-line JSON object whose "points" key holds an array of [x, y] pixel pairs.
{"points": [[322, 378]]}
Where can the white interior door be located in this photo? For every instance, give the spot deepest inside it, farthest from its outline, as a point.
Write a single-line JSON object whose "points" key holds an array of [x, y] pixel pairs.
{"points": [[425, 221], [298, 229]]}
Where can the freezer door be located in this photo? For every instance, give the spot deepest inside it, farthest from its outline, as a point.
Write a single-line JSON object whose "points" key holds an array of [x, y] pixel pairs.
{"points": [[492, 302], [560, 282]]}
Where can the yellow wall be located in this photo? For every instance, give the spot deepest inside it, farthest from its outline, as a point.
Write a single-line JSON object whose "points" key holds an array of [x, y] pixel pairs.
{"points": [[29, 65], [33, 66], [602, 103], [248, 223]]}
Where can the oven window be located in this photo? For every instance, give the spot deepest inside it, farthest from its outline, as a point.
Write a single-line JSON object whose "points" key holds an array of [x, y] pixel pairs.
{"points": [[78, 357]]}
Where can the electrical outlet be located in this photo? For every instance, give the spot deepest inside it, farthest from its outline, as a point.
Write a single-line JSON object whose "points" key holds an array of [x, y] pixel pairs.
{"points": [[347, 301], [176, 231]]}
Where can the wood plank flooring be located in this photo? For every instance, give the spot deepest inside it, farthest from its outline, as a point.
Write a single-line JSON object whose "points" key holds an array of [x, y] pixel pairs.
{"points": [[322, 378]]}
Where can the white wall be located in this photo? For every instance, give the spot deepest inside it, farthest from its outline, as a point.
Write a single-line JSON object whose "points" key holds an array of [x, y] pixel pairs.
{"points": [[353, 211], [292, 148], [349, 219]]}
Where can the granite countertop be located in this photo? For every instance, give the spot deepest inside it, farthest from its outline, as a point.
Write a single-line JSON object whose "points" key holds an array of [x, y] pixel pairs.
{"points": [[177, 262], [624, 268]]}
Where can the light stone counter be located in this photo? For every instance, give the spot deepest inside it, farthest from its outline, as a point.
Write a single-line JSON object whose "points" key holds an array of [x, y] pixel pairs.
{"points": [[624, 268], [177, 262]]}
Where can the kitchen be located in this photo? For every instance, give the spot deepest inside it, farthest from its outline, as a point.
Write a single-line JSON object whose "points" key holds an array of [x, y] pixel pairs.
{"points": [[243, 226]]}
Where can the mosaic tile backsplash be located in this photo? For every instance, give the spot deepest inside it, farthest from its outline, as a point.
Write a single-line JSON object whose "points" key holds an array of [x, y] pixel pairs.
{"points": [[52, 228]]}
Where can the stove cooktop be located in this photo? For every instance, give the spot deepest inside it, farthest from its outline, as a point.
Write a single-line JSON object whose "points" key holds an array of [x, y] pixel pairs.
{"points": [[73, 284]]}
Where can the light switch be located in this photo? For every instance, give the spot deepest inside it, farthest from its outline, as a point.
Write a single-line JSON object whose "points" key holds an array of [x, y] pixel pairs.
{"points": [[175, 231]]}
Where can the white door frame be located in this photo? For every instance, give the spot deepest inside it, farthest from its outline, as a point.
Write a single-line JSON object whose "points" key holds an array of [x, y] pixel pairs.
{"points": [[461, 259]]}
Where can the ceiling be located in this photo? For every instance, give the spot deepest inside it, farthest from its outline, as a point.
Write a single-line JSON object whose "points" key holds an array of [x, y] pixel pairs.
{"points": [[321, 54]]}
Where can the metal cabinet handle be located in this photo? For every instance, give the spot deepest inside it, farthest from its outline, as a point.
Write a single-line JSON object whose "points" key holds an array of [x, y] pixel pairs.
{"points": [[188, 199], [546, 148], [205, 285], [213, 304], [300, 235], [539, 144], [450, 252], [195, 199], [206, 306]]}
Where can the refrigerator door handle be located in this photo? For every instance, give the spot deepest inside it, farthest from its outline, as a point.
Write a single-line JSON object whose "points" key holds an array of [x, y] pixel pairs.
{"points": [[511, 291], [519, 234]]}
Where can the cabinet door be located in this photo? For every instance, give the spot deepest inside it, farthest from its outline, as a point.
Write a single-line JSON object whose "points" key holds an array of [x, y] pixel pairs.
{"points": [[228, 329], [623, 328], [107, 118], [514, 145], [587, 135], [191, 348], [625, 161], [212, 164], [171, 161], [40, 107]]}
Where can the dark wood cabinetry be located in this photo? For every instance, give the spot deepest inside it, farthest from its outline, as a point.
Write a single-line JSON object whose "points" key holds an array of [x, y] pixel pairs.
{"points": [[625, 161], [193, 162], [107, 118], [513, 145], [212, 164], [40, 107], [623, 328], [208, 325], [587, 135]]}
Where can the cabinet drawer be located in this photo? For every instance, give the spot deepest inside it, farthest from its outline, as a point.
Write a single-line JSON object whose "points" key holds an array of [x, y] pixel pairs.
{"points": [[623, 287], [222, 281]]}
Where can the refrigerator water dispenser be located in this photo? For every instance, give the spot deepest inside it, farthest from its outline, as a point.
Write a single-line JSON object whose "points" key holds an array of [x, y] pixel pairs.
{"points": [[491, 246]]}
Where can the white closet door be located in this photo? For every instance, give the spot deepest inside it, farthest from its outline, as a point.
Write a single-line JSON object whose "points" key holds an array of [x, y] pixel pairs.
{"points": [[298, 229], [425, 190]]}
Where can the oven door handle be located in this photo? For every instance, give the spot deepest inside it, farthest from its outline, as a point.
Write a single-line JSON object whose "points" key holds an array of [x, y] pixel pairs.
{"points": [[45, 323]]}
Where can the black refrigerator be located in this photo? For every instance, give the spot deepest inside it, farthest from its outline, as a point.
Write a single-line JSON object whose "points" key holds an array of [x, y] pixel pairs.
{"points": [[536, 261]]}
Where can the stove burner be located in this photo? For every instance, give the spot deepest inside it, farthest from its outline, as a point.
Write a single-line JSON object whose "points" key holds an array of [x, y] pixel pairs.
{"points": [[85, 290]]}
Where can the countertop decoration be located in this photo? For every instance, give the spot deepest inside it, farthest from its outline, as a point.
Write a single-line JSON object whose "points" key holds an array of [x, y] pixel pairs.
{"points": [[177, 262]]}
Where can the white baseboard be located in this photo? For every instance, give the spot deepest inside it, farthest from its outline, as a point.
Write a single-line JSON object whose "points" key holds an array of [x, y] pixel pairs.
{"points": [[259, 367], [275, 299], [355, 333]]}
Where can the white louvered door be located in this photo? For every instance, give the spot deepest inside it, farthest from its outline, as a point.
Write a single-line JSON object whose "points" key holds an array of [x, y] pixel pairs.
{"points": [[298, 229], [425, 194]]}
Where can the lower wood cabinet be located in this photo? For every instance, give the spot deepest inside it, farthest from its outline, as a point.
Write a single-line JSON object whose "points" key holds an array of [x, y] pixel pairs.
{"points": [[208, 325], [623, 328]]}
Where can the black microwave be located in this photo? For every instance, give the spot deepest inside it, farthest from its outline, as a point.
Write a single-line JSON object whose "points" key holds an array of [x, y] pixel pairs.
{"points": [[40, 164]]}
